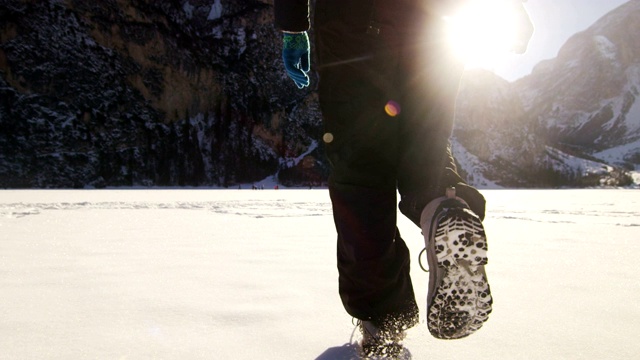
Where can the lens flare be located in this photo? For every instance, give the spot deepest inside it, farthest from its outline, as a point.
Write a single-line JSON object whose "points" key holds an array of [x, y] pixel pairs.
{"points": [[482, 32], [327, 138], [392, 108]]}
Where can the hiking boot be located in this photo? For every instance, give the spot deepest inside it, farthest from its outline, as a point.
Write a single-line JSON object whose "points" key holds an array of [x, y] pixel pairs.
{"points": [[379, 343], [459, 300]]}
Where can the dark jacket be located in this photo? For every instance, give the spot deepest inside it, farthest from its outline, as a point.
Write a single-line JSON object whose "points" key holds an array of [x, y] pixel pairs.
{"points": [[292, 15]]}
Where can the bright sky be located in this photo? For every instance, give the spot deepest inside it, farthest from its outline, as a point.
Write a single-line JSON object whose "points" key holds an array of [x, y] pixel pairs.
{"points": [[555, 22]]}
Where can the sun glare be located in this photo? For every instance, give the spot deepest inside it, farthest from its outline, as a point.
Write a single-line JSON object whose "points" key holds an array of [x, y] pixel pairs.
{"points": [[482, 32]]}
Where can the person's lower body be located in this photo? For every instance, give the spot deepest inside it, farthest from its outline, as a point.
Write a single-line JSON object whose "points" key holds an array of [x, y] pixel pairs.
{"points": [[387, 99]]}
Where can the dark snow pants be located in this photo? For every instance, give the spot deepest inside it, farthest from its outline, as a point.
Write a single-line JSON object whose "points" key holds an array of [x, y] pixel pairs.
{"points": [[387, 93]]}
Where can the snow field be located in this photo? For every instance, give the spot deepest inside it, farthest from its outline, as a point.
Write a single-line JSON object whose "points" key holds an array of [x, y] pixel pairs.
{"points": [[241, 274]]}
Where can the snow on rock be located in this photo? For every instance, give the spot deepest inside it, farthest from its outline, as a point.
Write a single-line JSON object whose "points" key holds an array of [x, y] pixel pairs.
{"points": [[472, 166], [618, 154], [188, 9], [291, 162], [607, 48], [569, 163], [636, 176], [216, 10]]}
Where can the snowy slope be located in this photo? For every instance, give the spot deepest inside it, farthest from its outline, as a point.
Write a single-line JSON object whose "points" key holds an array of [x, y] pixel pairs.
{"points": [[474, 169], [565, 162]]}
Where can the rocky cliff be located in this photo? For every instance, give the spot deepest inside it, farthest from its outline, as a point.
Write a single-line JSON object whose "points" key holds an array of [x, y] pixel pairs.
{"points": [[192, 92], [142, 92]]}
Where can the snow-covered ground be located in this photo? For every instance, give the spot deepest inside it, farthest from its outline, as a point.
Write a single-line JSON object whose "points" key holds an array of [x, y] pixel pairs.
{"points": [[242, 274]]}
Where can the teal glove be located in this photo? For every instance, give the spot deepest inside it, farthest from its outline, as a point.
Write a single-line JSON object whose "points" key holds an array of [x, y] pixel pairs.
{"points": [[296, 56]]}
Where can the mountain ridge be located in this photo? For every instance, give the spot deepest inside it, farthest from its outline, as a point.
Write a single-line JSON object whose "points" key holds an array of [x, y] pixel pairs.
{"points": [[580, 106]]}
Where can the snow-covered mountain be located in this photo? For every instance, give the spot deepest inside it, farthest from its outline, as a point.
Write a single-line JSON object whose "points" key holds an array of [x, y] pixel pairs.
{"points": [[192, 92], [493, 140], [575, 120]]}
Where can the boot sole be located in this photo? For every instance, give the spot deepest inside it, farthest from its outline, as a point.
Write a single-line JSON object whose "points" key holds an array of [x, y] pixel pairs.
{"points": [[462, 300]]}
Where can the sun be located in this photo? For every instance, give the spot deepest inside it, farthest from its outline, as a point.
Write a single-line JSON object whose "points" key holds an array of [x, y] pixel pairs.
{"points": [[482, 32]]}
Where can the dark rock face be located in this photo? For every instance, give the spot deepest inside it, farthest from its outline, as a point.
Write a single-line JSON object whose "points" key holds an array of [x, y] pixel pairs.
{"points": [[121, 93]]}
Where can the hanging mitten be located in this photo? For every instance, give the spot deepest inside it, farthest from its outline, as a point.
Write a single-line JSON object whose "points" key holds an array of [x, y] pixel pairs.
{"points": [[296, 56]]}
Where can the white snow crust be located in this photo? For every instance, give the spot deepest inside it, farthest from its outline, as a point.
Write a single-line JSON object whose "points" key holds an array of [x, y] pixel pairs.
{"points": [[242, 274], [607, 49]]}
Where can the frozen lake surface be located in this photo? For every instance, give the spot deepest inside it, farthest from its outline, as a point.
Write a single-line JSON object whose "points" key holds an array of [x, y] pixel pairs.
{"points": [[241, 274]]}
